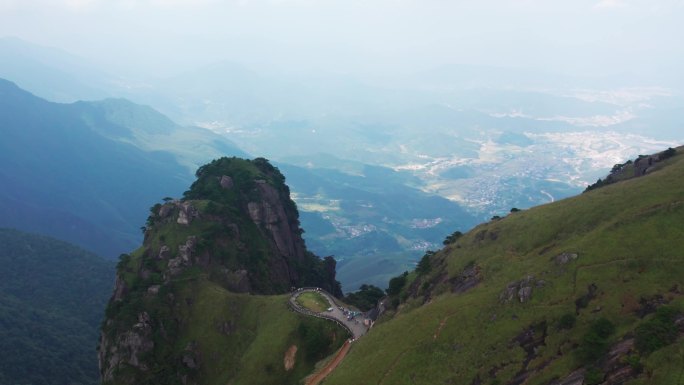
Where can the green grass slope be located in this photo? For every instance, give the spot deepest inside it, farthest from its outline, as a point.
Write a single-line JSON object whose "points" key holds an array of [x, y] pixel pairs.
{"points": [[455, 324], [236, 338]]}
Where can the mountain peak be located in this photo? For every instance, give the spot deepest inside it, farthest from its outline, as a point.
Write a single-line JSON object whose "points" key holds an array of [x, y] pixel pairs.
{"points": [[235, 230]]}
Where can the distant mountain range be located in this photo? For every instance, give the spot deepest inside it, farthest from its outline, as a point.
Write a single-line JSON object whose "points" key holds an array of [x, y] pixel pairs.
{"points": [[86, 172], [485, 139]]}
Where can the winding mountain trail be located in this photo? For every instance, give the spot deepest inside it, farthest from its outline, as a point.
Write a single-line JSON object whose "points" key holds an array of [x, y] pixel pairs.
{"points": [[356, 327], [330, 366]]}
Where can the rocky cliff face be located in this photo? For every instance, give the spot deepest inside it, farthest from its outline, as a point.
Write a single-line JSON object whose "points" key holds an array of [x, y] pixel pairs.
{"points": [[643, 165], [236, 227]]}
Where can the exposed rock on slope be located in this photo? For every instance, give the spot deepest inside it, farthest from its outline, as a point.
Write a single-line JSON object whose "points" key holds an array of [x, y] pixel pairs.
{"points": [[644, 164], [236, 229]]}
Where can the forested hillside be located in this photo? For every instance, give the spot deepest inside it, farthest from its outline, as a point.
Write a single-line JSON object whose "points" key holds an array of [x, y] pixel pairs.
{"points": [[51, 300]]}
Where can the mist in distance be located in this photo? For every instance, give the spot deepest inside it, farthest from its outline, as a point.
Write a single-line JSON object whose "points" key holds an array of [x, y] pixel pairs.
{"points": [[465, 109], [637, 41]]}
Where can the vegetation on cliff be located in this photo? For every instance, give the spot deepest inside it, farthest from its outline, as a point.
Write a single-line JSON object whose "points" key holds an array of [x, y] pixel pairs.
{"points": [[199, 301]]}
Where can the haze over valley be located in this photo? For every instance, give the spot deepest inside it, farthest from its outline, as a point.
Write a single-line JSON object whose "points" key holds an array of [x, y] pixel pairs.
{"points": [[342, 192], [484, 139]]}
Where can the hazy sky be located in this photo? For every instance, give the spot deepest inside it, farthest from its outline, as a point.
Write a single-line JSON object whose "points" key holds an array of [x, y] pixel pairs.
{"points": [[369, 36]]}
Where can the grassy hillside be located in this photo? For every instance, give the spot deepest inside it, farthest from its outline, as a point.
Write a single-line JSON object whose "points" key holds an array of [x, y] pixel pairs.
{"points": [[243, 339], [526, 299], [51, 299]]}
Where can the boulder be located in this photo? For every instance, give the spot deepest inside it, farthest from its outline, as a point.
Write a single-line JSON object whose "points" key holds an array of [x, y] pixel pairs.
{"points": [[563, 258], [166, 210], [164, 252], [226, 182], [153, 290], [524, 294], [191, 356], [185, 251], [187, 213], [184, 258], [521, 289]]}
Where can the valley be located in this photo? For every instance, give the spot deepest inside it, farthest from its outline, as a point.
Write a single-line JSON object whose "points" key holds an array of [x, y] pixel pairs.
{"points": [[299, 192], [484, 146]]}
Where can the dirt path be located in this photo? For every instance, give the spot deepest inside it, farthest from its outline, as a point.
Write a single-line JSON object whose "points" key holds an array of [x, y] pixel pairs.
{"points": [[323, 373], [440, 327]]}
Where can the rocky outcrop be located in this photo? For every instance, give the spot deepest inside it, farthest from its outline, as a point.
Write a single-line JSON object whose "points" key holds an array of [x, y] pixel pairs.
{"points": [[120, 289], [574, 378], [564, 258], [643, 165], [226, 182], [164, 252], [184, 258], [166, 210], [237, 228], [126, 349], [270, 214], [186, 213], [521, 290], [467, 280]]}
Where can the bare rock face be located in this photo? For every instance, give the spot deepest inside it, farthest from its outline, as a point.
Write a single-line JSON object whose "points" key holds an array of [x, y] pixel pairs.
{"points": [[127, 348], [187, 213], [226, 182], [620, 376], [564, 258], [644, 165], [184, 258], [522, 290], [575, 378], [164, 252], [165, 210], [185, 251], [617, 352], [524, 294], [269, 214], [120, 289], [467, 280]]}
